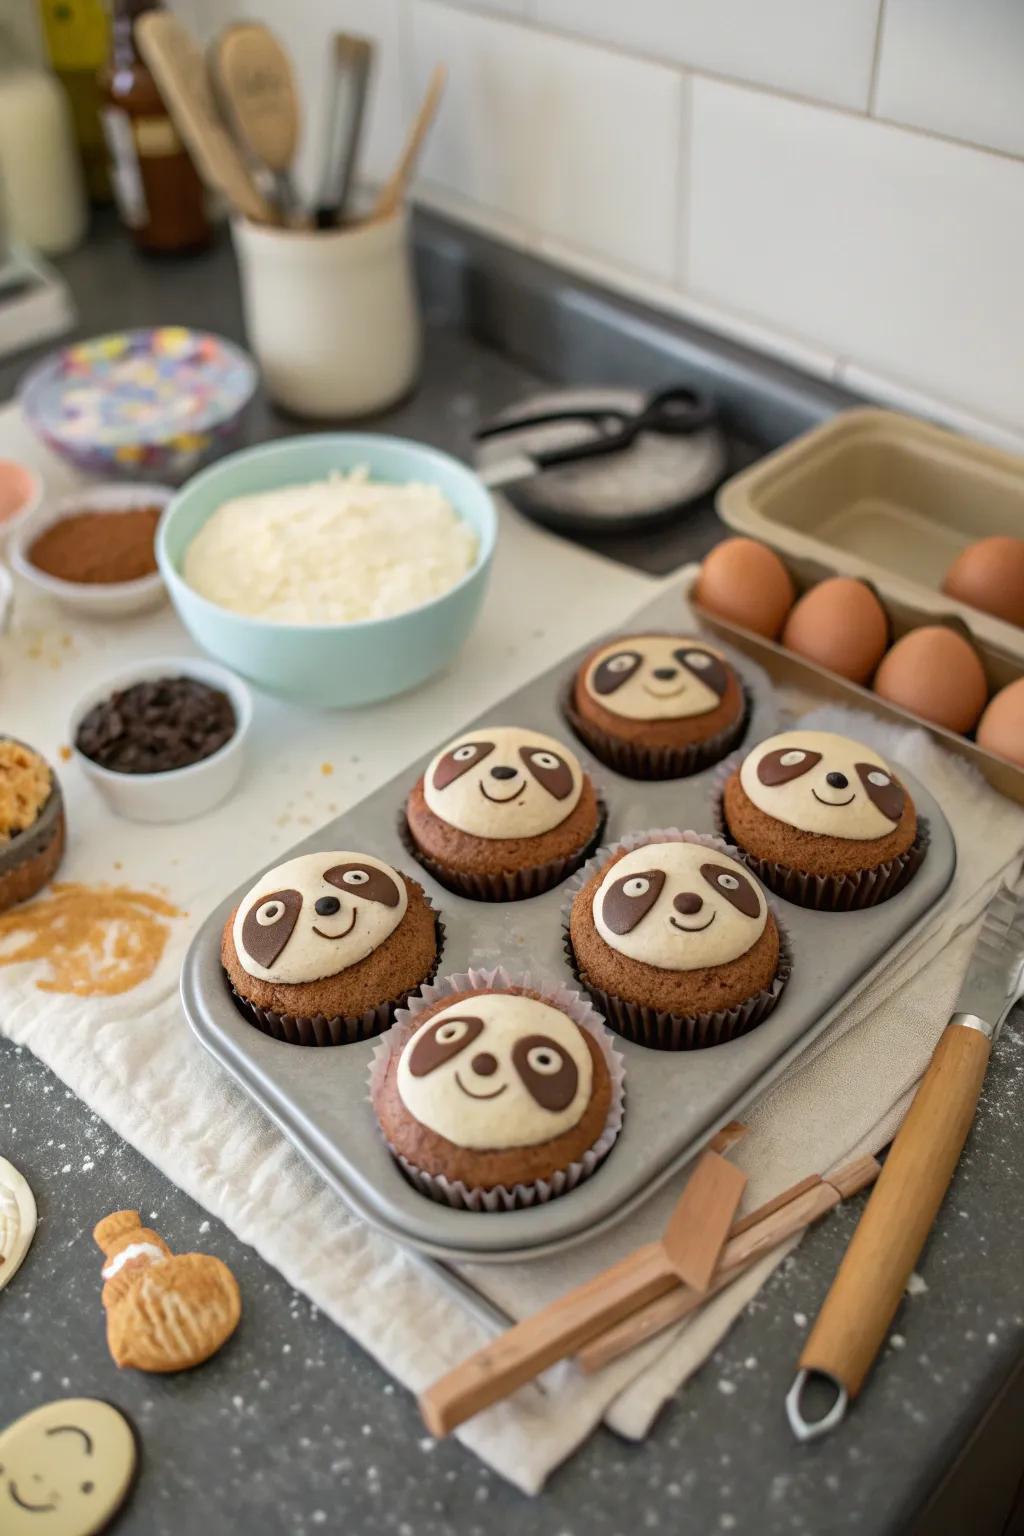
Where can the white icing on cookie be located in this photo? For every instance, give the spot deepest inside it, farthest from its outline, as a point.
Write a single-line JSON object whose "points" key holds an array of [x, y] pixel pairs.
{"points": [[503, 781], [497, 1071], [817, 781], [657, 677], [679, 906], [132, 1251], [317, 915], [17, 1220]]}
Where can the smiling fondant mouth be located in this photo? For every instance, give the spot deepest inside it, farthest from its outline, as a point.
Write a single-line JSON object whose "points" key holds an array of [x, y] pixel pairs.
{"points": [[471, 1095], [667, 693], [683, 928], [834, 805], [502, 799], [33, 1509], [332, 937]]}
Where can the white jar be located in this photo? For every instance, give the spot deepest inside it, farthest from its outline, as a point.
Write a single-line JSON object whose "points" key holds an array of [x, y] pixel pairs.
{"points": [[40, 175], [332, 315]]}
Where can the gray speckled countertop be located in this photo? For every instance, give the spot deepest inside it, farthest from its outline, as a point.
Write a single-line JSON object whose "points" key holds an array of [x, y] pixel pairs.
{"points": [[292, 1429]]}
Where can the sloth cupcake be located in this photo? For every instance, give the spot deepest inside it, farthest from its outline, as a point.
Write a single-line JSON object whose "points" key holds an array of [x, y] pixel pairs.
{"points": [[657, 706], [323, 948], [823, 820], [501, 813], [493, 1095], [675, 941], [31, 822]]}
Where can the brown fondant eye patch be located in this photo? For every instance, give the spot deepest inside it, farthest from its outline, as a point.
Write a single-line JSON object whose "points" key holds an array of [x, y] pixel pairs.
{"points": [[629, 900], [269, 924], [736, 888], [364, 880], [459, 761], [705, 667], [882, 790], [442, 1041], [548, 1071], [551, 771], [614, 671], [783, 767]]}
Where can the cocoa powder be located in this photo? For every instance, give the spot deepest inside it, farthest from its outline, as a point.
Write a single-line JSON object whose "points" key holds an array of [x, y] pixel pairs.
{"points": [[93, 547]]}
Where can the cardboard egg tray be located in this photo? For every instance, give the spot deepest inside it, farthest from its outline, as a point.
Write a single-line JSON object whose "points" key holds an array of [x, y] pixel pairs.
{"points": [[675, 1101]]}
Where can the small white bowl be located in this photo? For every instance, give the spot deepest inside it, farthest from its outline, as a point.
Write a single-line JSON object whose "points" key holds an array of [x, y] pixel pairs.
{"points": [[31, 501], [179, 794], [6, 599], [103, 599]]}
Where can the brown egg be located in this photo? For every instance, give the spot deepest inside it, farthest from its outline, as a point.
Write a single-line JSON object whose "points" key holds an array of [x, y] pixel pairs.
{"points": [[936, 674], [990, 575], [1001, 728], [746, 582], [841, 625]]}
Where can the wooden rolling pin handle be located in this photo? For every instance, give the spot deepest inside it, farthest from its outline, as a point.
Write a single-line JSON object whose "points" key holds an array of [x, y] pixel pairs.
{"points": [[872, 1278]]}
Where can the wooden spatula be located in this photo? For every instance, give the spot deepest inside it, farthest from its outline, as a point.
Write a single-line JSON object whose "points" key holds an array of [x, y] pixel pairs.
{"points": [[392, 193], [255, 86]]}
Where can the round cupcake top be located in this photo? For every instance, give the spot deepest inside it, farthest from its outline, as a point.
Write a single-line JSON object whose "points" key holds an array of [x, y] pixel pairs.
{"points": [[497, 1071], [679, 906], [817, 781], [316, 915], [657, 677], [503, 781]]}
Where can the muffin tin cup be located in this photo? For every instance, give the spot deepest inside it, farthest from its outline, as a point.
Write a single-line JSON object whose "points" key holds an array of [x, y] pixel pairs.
{"points": [[826, 893], [663, 1031], [634, 761], [509, 885], [342, 1029], [456, 1193]]}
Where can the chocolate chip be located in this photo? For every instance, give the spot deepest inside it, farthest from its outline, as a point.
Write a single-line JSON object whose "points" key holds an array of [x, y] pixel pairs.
{"points": [[155, 726]]}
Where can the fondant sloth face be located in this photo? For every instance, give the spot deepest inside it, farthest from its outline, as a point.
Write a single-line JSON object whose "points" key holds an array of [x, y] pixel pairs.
{"points": [[497, 1071], [817, 781], [502, 781], [679, 906], [316, 915], [657, 677]]}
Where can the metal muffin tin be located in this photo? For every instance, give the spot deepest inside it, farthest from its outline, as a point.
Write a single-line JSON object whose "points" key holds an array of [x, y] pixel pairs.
{"points": [[675, 1101]]}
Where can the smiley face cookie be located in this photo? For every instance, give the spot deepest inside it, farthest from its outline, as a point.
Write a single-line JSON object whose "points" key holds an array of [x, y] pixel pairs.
{"points": [[502, 812], [322, 948], [827, 819], [65, 1469], [657, 705]]}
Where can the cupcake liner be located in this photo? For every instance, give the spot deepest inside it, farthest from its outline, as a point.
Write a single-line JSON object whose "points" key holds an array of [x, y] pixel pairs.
{"points": [[826, 893], [653, 1027], [510, 885], [455, 1192], [341, 1029], [635, 761]]}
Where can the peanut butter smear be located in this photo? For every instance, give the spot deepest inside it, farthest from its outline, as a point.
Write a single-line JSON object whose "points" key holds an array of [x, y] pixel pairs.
{"points": [[98, 940], [25, 784]]}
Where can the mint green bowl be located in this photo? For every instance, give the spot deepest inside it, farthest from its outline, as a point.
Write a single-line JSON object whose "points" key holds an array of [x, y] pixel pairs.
{"points": [[330, 665]]}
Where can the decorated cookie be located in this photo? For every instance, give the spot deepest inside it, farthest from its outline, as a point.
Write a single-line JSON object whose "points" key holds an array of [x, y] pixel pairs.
{"points": [[31, 822], [823, 819], [502, 812], [65, 1469], [17, 1221], [165, 1311], [657, 706], [323, 948], [675, 941], [497, 1095]]}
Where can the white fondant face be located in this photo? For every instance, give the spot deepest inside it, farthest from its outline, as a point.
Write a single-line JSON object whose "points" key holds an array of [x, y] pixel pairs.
{"points": [[657, 677], [65, 1468], [497, 1071], [316, 915], [679, 906], [817, 781], [503, 781]]}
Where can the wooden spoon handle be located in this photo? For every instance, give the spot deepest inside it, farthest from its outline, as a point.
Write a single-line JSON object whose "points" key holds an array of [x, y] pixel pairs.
{"points": [[855, 1318]]}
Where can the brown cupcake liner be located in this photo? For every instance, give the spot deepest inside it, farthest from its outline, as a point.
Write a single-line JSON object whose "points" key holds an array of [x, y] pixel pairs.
{"points": [[508, 885], [635, 761], [341, 1029], [658, 1029], [502, 1197], [826, 893]]}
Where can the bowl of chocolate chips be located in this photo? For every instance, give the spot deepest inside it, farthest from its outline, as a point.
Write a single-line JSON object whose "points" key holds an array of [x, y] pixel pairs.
{"points": [[163, 740]]}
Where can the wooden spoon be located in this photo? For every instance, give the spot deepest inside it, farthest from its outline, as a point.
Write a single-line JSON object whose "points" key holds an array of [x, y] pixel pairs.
{"points": [[392, 193], [255, 84]]}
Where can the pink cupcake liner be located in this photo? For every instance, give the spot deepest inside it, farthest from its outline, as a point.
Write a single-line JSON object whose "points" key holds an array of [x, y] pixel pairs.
{"points": [[635, 761]]}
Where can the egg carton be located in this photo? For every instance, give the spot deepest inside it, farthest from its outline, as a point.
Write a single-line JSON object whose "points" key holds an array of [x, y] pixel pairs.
{"points": [[675, 1101]]}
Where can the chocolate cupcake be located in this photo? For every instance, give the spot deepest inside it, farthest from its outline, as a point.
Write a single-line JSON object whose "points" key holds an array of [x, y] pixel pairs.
{"points": [[675, 941], [656, 706], [493, 1094], [31, 822], [502, 813], [822, 820], [325, 947]]}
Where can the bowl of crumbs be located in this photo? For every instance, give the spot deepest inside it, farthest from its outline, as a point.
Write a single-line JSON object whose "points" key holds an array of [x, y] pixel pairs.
{"points": [[94, 550], [336, 569]]}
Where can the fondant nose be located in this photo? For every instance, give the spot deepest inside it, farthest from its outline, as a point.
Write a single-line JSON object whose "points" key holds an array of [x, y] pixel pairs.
{"points": [[666, 674], [327, 906], [484, 1064], [837, 780], [501, 772], [688, 902]]}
